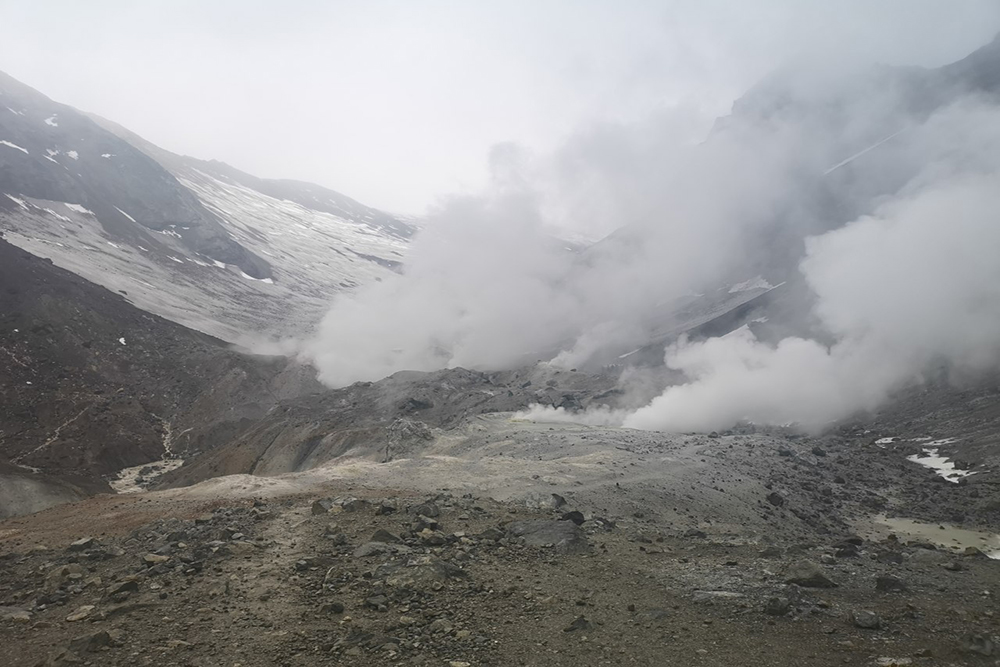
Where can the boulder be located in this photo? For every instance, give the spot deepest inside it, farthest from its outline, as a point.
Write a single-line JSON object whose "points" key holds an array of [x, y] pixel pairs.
{"points": [[808, 575], [563, 536]]}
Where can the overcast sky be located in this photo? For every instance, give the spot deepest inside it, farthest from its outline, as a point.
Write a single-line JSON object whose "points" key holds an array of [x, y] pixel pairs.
{"points": [[397, 103]]}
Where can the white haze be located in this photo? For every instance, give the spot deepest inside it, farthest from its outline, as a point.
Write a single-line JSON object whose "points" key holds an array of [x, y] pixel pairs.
{"points": [[913, 281]]}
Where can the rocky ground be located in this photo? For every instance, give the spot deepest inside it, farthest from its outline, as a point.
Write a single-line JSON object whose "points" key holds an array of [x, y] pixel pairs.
{"points": [[763, 549]]}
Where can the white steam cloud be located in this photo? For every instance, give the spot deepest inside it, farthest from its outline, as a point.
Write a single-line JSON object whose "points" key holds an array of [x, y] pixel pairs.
{"points": [[897, 246], [901, 290]]}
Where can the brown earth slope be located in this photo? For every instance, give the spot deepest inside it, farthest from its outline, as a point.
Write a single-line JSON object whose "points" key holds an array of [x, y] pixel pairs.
{"points": [[89, 384]]}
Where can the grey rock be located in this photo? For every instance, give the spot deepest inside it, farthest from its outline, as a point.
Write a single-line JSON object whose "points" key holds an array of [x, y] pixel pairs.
{"points": [[979, 644], [867, 620], [15, 614], [333, 607], [82, 544], [429, 510], [563, 536], [382, 535], [889, 583], [579, 623], [777, 606], [379, 549], [808, 575], [93, 642]]}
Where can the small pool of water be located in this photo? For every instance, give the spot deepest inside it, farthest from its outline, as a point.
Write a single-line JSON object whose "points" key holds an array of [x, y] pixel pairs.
{"points": [[942, 535]]}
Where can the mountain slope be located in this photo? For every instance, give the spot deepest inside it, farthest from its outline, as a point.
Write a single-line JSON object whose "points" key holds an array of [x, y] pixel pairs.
{"points": [[50, 151], [185, 238], [90, 385]]}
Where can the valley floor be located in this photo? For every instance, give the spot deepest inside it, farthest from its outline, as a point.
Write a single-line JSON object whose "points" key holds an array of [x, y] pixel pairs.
{"points": [[742, 549]]}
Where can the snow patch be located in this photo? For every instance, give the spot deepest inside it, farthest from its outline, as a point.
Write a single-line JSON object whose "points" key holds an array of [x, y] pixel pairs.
{"points": [[51, 121], [121, 340], [125, 214], [754, 283], [73, 154], [259, 280], [57, 216], [78, 209], [4, 142], [940, 464], [20, 202], [107, 156]]}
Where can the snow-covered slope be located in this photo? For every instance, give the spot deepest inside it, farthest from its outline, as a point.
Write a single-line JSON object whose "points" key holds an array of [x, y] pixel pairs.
{"points": [[195, 241]]}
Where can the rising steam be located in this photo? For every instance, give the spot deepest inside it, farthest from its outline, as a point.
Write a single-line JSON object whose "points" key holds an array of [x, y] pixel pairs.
{"points": [[888, 210]]}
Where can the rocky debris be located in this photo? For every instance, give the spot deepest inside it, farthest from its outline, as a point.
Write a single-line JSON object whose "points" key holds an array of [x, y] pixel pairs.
{"points": [[777, 606], [562, 536], [867, 620], [979, 644], [322, 506], [333, 607], [82, 544], [382, 535], [807, 574], [494, 583], [81, 613], [15, 614], [380, 549], [545, 501], [889, 583], [95, 641]]}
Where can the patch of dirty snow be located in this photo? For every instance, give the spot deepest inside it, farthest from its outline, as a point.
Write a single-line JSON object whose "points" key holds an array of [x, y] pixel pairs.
{"points": [[259, 280], [79, 209], [125, 214], [754, 283], [57, 216], [885, 441], [4, 142], [940, 464], [20, 202]]}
